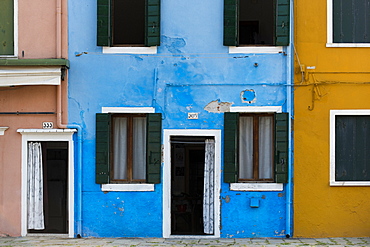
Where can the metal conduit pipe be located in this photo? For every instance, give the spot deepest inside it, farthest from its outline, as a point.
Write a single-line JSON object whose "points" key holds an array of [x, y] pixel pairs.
{"points": [[24, 113]]}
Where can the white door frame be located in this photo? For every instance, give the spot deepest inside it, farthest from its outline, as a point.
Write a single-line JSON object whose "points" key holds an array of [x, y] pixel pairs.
{"points": [[51, 135], [216, 134]]}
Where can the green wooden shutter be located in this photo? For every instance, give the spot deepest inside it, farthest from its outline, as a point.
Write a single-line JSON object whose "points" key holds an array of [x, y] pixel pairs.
{"points": [[282, 22], [231, 22], [104, 23], [102, 148], [231, 124], [6, 27], [152, 22], [153, 148], [281, 147]]}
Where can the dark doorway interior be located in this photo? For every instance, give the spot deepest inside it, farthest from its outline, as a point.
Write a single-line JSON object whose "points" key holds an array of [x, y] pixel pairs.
{"points": [[55, 173], [187, 179]]}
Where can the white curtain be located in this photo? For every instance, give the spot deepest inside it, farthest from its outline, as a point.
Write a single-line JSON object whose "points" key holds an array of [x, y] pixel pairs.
{"points": [[120, 148], [265, 147], [208, 195], [35, 202], [138, 147], [246, 147]]}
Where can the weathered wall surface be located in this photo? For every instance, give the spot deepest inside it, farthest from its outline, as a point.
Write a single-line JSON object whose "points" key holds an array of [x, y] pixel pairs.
{"points": [[321, 210], [37, 39], [192, 72]]}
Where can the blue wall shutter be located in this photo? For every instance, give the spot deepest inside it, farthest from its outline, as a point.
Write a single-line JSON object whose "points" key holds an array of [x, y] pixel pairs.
{"points": [[152, 22], [102, 148], [6, 27], [104, 22], [154, 152], [281, 147], [231, 22], [282, 22], [231, 123]]}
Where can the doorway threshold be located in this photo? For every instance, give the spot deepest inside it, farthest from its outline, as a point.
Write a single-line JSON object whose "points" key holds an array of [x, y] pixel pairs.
{"points": [[56, 235], [192, 236]]}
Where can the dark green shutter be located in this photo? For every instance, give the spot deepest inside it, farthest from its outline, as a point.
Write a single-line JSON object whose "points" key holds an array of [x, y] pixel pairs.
{"points": [[153, 148], [231, 123], [231, 22], [102, 148], [104, 23], [6, 27], [282, 22], [281, 147], [152, 22]]}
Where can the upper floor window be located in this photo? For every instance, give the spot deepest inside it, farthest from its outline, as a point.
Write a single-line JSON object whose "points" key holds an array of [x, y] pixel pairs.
{"points": [[348, 23], [256, 22], [7, 28], [128, 148], [128, 23], [255, 147], [349, 147]]}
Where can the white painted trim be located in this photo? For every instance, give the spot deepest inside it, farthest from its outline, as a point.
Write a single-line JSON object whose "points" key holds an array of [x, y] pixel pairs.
{"points": [[255, 49], [2, 130], [130, 50], [47, 135], [127, 187], [128, 110], [332, 181], [277, 109], [167, 178], [35, 75], [329, 21], [256, 187]]}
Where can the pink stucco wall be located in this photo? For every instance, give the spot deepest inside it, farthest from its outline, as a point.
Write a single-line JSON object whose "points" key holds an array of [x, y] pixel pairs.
{"points": [[37, 39]]}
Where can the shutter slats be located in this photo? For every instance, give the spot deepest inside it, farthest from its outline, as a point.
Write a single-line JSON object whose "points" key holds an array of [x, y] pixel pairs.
{"points": [[231, 120], [281, 147], [282, 23], [6, 27], [103, 23], [102, 148], [231, 22], [152, 22], [153, 152]]}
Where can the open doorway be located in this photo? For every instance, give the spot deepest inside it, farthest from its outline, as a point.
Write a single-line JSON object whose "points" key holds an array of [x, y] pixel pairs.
{"points": [[188, 196], [48, 213]]}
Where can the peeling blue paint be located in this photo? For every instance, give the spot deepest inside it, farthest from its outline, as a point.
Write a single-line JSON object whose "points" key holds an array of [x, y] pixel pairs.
{"points": [[191, 72]]}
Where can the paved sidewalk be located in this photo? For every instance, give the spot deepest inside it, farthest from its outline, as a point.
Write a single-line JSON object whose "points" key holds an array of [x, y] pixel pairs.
{"points": [[142, 242]]}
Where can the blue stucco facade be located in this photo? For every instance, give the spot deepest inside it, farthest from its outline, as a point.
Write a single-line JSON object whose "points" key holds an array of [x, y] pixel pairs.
{"points": [[191, 72]]}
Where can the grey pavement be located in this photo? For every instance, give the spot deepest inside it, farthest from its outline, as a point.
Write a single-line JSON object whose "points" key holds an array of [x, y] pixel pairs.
{"points": [[143, 242]]}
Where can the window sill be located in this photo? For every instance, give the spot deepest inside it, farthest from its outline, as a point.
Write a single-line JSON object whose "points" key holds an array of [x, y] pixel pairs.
{"points": [[130, 50], [255, 49], [347, 44], [127, 187], [256, 187], [350, 183]]}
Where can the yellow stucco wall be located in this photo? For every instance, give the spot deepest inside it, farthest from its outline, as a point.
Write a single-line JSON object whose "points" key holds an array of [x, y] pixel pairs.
{"points": [[321, 210]]}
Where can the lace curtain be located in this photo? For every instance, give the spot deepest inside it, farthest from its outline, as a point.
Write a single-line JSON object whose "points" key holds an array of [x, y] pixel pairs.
{"points": [[208, 195], [35, 188]]}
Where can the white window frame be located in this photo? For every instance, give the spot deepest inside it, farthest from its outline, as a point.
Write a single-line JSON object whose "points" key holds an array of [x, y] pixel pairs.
{"points": [[127, 187], [130, 50], [256, 49], [256, 186], [329, 21], [333, 114], [65, 135], [15, 15]]}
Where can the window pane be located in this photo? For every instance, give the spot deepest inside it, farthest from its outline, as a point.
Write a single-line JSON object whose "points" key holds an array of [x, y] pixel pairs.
{"points": [[139, 147], [120, 148], [256, 22], [351, 21], [352, 145], [128, 22], [265, 147], [246, 147]]}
